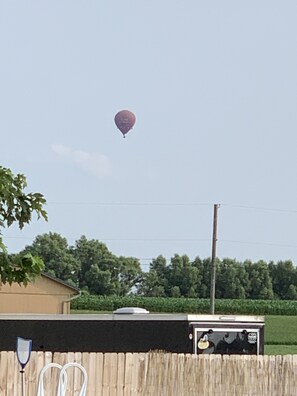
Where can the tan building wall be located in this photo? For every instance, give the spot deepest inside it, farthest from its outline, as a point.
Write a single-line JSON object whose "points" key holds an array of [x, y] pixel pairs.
{"points": [[46, 295]]}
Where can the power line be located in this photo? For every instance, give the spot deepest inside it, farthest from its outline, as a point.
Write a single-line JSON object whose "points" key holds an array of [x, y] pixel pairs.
{"points": [[231, 205], [260, 208], [171, 240], [125, 239], [259, 243], [130, 203]]}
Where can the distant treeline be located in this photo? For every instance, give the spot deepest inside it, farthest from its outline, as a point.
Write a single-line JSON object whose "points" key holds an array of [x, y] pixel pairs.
{"points": [[90, 266], [234, 279]]}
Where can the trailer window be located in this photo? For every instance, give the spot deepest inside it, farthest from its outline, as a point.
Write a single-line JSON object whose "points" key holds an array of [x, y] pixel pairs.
{"points": [[226, 341]]}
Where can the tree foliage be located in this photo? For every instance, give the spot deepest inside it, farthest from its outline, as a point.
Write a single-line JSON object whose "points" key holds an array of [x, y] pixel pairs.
{"points": [[234, 279], [88, 264], [17, 206], [59, 261], [91, 266]]}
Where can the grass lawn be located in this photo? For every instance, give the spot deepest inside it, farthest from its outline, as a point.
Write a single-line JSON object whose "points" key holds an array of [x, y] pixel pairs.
{"points": [[280, 349], [281, 330], [280, 333]]}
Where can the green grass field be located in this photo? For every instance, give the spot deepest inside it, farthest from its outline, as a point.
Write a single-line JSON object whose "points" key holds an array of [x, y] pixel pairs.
{"points": [[280, 349], [280, 333], [281, 330]]}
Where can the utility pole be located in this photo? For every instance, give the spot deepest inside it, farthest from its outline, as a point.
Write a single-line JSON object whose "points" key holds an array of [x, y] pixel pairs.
{"points": [[213, 260]]}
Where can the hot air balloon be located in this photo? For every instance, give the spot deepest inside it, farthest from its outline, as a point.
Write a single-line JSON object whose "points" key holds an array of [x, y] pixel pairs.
{"points": [[125, 121]]}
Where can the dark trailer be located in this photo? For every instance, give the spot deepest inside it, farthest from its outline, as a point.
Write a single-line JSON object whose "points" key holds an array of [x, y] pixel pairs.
{"points": [[127, 331]]}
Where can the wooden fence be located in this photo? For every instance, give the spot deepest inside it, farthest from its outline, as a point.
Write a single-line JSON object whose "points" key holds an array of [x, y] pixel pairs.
{"points": [[156, 374]]}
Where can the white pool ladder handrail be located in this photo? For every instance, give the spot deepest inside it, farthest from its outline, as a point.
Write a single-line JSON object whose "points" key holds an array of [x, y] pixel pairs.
{"points": [[40, 391], [63, 379], [62, 384]]}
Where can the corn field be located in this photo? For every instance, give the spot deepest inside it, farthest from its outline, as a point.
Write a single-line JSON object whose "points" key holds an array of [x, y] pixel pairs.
{"points": [[188, 305]]}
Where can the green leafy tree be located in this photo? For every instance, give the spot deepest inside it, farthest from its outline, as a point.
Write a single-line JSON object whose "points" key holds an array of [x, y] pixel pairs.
{"points": [[232, 280], [20, 269], [184, 275], [291, 293], [99, 281], [57, 256], [98, 262], [154, 283], [175, 291], [129, 275], [17, 206], [204, 291], [150, 285], [243, 284], [260, 280], [284, 279], [103, 273], [200, 286]]}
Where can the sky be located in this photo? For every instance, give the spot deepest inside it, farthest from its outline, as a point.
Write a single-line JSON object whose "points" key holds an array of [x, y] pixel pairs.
{"points": [[213, 86]]}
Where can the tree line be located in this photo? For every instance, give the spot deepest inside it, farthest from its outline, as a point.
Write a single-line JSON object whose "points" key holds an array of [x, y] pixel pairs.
{"points": [[90, 266]]}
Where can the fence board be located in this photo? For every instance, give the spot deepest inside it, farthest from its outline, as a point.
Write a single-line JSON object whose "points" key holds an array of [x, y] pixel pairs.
{"points": [[107, 374], [54, 373], [141, 365], [3, 372], [120, 382], [99, 373], [129, 367], [113, 374], [12, 375], [89, 363], [78, 376], [156, 373]]}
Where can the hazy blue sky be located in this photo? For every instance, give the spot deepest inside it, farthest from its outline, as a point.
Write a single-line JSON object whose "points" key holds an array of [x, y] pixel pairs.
{"points": [[214, 89]]}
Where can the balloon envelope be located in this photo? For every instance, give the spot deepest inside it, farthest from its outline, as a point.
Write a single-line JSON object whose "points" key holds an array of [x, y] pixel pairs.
{"points": [[125, 121]]}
